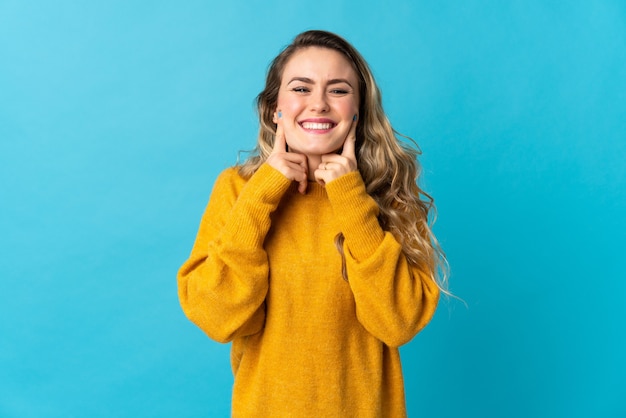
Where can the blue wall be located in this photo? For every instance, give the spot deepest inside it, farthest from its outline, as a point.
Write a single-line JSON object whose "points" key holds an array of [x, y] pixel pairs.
{"points": [[116, 117]]}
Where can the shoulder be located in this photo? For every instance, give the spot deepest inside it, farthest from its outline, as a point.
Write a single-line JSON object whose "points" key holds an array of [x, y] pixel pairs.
{"points": [[233, 178], [231, 175], [265, 183], [228, 182]]}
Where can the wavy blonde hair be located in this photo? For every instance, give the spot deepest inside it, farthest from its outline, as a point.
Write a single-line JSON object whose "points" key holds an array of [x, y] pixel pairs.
{"points": [[389, 167]]}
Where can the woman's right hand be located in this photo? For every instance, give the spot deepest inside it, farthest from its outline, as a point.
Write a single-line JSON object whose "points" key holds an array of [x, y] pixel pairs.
{"points": [[292, 165]]}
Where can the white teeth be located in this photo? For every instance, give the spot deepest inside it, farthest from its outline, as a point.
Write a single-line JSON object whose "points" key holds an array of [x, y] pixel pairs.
{"points": [[313, 125]]}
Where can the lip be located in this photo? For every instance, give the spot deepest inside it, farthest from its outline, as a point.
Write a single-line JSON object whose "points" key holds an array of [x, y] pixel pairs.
{"points": [[316, 125]]}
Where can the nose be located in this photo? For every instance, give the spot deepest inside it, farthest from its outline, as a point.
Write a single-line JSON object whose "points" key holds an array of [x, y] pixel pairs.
{"points": [[319, 102]]}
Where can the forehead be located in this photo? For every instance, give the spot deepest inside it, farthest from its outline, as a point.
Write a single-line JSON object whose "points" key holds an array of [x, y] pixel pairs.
{"points": [[319, 64]]}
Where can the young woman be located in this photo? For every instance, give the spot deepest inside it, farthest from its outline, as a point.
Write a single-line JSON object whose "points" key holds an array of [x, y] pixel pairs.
{"points": [[315, 256]]}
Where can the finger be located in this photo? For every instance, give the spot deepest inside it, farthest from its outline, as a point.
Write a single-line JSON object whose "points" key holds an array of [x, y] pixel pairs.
{"points": [[323, 176], [349, 144], [338, 164], [280, 144], [320, 176], [331, 162], [294, 168], [291, 165], [296, 158], [302, 184], [334, 166]]}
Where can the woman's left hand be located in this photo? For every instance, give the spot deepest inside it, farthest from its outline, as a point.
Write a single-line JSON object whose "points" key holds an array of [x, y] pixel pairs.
{"points": [[334, 166]]}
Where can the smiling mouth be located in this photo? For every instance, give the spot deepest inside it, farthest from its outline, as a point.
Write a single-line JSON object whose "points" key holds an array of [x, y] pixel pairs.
{"points": [[317, 126]]}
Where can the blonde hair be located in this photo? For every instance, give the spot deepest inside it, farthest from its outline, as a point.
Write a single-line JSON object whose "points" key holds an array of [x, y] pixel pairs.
{"points": [[388, 166]]}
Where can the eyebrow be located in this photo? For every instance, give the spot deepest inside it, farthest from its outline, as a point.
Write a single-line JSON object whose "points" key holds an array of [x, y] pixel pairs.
{"points": [[309, 81]]}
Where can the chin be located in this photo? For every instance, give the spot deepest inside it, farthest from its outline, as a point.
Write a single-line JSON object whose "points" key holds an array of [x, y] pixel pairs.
{"points": [[326, 148], [321, 151]]}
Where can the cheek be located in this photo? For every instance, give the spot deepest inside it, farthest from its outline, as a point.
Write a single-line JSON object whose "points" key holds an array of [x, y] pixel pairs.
{"points": [[347, 115], [349, 108], [289, 106], [355, 105], [291, 112]]}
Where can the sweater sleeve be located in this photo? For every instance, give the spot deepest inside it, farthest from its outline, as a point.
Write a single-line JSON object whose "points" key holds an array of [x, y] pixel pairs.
{"points": [[223, 284], [394, 299]]}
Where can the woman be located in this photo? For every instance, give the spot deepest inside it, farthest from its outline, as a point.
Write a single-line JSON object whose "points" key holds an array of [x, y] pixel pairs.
{"points": [[314, 256]]}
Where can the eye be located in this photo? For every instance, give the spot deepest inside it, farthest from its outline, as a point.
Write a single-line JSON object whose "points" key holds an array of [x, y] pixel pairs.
{"points": [[300, 89], [339, 91]]}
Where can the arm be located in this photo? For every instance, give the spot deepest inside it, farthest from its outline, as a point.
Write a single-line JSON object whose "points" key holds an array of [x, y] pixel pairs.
{"points": [[222, 286], [394, 300]]}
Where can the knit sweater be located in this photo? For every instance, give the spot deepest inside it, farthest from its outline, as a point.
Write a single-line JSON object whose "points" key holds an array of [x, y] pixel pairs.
{"points": [[265, 274]]}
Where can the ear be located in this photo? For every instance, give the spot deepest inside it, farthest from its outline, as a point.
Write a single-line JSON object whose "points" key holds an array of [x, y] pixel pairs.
{"points": [[277, 115]]}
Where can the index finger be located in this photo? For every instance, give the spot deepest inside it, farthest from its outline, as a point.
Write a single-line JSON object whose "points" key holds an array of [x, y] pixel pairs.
{"points": [[280, 144], [349, 144]]}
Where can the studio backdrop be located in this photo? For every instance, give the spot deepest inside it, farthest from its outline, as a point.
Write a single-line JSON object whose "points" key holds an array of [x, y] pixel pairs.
{"points": [[116, 117]]}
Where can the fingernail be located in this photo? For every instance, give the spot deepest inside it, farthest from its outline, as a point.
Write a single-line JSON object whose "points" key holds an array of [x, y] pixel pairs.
{"points": [[354, 118], [280, 114]]}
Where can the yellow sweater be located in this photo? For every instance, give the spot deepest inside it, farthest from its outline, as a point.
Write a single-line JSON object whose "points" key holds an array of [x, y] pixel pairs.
{"points": [[264, 273]]}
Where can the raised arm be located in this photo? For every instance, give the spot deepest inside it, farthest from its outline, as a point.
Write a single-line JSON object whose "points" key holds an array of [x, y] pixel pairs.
{"points": [[223, 284], [394, 300]]}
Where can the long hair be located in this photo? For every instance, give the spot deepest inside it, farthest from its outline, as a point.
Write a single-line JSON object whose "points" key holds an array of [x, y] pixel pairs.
{"points": [[389, 166]]}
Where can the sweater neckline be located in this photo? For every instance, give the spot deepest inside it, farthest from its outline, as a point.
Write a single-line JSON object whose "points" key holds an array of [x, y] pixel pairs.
{"points": [[313, 189]]}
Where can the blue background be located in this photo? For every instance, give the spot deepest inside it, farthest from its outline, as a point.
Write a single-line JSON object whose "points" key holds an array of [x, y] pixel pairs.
{"points": [[116, 117]]}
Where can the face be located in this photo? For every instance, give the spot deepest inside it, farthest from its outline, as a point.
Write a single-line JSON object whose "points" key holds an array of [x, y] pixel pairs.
{"points": [[318, 99]]}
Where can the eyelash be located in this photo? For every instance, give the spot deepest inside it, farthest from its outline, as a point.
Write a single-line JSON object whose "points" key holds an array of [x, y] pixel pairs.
{"points": [[306, 90]]}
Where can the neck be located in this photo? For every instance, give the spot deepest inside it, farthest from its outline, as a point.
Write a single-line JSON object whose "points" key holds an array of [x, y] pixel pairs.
{"points": [[313, 162]]}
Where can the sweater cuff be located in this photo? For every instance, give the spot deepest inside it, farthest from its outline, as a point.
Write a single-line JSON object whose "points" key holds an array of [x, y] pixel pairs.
{"points": [[357, 214], [259, 197], [267, 185]]}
